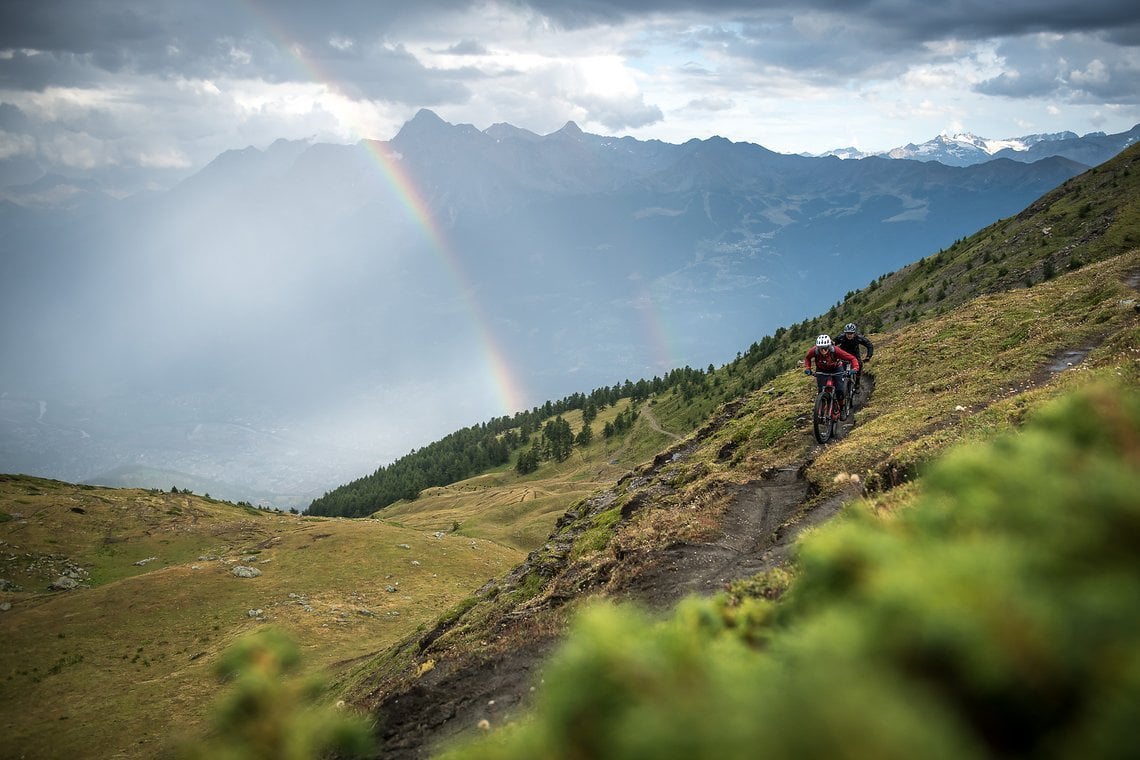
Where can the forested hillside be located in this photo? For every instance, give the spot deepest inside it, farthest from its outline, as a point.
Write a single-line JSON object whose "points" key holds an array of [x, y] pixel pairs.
{"points": [[528, 437]]}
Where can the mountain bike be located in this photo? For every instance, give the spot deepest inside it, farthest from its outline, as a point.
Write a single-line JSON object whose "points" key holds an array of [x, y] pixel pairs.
{"points": [[826, 414]]}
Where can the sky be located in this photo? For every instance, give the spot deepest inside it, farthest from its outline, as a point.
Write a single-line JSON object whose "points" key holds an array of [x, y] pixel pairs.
{"points": [[155, 89]]}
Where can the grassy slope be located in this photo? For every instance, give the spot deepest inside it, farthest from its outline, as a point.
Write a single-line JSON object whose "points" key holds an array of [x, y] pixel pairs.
{"points": [[519, 511], [946, 379], [116, 669]]}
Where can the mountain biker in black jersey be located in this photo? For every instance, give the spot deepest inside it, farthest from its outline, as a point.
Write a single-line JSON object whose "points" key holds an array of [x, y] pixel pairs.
{"points": [[850, 341]]}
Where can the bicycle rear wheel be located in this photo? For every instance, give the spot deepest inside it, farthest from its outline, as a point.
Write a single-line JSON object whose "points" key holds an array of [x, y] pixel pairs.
{"points": [[821, 420]]}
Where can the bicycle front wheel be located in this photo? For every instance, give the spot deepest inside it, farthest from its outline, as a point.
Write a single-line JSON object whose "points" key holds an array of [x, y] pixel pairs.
{"points": [[821, 417]]}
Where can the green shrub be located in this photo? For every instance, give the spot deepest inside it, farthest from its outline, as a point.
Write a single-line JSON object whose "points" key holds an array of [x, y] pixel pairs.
{"points": [[267, 714]]}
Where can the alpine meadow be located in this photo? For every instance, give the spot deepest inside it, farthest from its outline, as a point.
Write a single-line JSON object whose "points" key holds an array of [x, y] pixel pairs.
{"points": [[666, 567]]}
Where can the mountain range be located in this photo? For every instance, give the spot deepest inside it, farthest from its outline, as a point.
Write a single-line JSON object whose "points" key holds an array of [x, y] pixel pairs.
{"points": [[288, 318], [965, 149], [24, 184]]}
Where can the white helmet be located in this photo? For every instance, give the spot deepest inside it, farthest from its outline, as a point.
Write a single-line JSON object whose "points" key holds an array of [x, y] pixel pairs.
{"points": [[823, 341], [850, 327]]}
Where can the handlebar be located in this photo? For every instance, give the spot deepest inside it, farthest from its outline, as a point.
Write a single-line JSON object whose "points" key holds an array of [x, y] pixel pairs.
{"points": [[843, 372]]}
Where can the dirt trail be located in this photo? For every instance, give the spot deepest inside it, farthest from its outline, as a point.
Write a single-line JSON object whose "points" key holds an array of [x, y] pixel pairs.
{"points": [[647, 412], [756, 532]]}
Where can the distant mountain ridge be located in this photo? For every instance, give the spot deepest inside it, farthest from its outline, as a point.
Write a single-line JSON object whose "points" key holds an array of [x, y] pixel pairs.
{"points": [[952, 149], [966, 149]]}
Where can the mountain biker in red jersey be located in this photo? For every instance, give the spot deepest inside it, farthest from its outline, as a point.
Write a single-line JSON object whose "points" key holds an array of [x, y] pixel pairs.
{"points": [[830, 358], [850, 341]]}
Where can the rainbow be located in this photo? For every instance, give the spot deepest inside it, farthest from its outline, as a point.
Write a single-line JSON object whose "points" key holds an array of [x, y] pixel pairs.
{"points": [[654, 335], [504, 379], [511, 395]]}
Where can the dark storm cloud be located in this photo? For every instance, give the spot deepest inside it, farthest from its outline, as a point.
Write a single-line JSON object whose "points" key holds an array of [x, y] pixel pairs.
{"points": [[917, 19], [31, 69], [84, 27], [387, 72], [62, 43], [12, 119]]}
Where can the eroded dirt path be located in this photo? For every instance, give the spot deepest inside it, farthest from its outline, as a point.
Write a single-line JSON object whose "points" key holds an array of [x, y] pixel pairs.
{"points": [[757, 530], [647, 411], [749, 529]]}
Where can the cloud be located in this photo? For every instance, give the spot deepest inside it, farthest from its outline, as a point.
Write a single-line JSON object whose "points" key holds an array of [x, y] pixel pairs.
{"points": [[381, 72], [12, 119], [913, 19], [201, 39], [1021, 84], [1077, 68], [29, 69], [171, 83], [468, 47], [620, 113], [711, 104]]}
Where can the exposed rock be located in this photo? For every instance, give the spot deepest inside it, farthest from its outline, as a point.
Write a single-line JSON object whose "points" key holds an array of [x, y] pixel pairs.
{"points": [[63, 583], [241, 571]]}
